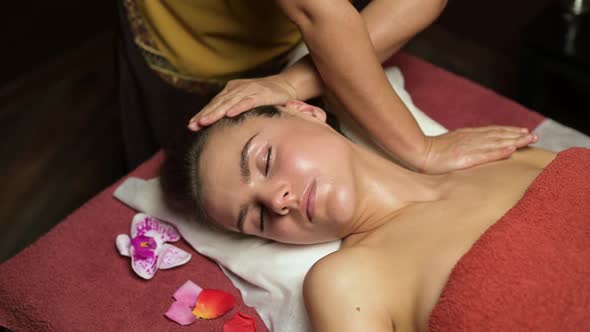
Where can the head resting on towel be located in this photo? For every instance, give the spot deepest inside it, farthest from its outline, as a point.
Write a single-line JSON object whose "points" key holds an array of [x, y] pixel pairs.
{"points": [[180, 178], [254, 173]]}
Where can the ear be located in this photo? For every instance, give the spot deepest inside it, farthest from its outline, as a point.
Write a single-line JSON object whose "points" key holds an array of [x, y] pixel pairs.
{"points": [[306, 109]]}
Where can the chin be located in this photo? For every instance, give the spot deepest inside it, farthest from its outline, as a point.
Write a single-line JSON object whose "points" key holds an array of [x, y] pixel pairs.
{"points": [[340, 207]]}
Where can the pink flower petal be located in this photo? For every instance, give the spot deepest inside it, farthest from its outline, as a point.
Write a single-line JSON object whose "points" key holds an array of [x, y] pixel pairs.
{"points": [[180, 313], [172, 256], [188, 293]]}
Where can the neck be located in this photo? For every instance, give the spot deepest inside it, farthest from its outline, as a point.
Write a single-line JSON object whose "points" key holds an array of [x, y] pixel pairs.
{"points": [[385, 189]]}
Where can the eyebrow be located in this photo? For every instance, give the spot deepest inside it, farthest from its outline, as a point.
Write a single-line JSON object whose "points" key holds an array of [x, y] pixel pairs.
{"points": [[244, 167], [245, 172]]}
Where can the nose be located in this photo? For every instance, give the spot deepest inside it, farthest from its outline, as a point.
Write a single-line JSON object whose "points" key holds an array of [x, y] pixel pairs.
{"points": [[279, 198]]}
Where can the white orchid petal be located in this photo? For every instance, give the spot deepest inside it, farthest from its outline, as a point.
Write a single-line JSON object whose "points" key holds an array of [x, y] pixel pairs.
{"points": [[159, 230], [173, 256], [123, 242]]}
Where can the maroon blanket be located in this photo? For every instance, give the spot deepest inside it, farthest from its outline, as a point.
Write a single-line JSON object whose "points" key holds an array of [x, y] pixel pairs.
{"points": [[73, 279], [531, 270]]}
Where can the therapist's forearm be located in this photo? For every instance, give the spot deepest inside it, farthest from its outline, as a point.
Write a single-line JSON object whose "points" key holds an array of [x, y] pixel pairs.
{"points": [[390, 24], [355, 76]]}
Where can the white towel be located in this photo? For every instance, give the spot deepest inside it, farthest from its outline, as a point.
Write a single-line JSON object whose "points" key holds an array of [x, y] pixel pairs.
{"points": [[554, 136]]}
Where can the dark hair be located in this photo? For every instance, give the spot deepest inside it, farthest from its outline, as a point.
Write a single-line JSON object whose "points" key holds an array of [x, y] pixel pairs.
{"points": [[179, 174]]}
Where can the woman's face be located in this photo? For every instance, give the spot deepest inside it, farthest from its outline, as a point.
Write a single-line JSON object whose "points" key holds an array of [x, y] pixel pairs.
{"points": [[287, 178]]}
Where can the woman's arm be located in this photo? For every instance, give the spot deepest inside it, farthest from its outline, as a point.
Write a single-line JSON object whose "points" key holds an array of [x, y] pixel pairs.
{"points": [[343, 54], [342, 51], [390, 24], [340, 298]]}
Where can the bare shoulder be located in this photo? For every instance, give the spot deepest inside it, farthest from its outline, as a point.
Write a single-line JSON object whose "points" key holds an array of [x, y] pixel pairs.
{"points": [[534, 156], [341, 295]]}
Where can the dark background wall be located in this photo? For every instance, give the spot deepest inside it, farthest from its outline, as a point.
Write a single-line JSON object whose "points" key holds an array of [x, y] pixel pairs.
{"points": [[481, 40], [60, 138], [37, 33], [497, 25], [534, 52]]}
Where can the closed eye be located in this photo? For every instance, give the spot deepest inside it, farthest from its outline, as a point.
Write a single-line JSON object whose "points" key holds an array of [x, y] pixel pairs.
{"points": [[268, 156]]}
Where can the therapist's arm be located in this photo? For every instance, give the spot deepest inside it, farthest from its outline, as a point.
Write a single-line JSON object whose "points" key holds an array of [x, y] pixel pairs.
{"points": [[390, 24], [343, 54], [347, 48], [342, 51]]}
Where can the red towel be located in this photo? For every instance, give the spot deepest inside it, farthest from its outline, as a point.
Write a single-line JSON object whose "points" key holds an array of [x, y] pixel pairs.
{"points": [[531, 270]]}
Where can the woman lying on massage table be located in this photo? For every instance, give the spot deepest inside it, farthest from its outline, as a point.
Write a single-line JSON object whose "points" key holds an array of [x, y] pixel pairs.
{"points": [[283, 174]]}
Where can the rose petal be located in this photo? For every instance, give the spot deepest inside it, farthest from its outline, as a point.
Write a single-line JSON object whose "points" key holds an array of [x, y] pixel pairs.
{"points": [[213, 303], [180, 313], [173, 256], [188, 293], [240, 323], [123, 242], [143, 224]]}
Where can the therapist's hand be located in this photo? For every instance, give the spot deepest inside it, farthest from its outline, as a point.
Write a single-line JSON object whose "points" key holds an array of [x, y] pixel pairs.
{"points": [[467, 147], [241, 95]]}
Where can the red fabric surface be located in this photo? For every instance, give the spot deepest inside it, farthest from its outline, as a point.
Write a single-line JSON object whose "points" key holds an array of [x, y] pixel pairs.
{"points": [[531, 270], [73, 279], [240, 323]]}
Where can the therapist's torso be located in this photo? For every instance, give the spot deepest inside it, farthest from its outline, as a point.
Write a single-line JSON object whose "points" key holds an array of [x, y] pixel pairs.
{"points": [[217, 39]]}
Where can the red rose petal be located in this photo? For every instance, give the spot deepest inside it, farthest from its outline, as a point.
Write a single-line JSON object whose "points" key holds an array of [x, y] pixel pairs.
{"points": [[240, 323], [213, 303]]}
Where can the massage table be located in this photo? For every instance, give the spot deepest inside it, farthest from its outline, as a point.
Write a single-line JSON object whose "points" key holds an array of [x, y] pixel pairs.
{"points": [[73, 278]]}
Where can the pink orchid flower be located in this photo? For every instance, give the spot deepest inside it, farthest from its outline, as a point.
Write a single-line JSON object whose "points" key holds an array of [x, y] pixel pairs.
{"points": [[148, 247]]}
